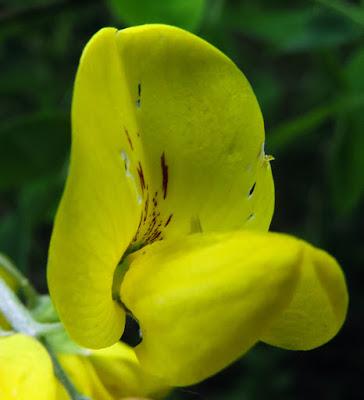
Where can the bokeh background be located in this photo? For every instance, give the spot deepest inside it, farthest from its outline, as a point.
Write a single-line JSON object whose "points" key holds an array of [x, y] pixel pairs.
{"points": [[305, 61]]}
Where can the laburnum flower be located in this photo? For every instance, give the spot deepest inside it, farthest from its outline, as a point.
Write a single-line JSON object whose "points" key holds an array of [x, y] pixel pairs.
{"points": [[26, 370], [27, 373], [166, 209], [108, 374]]}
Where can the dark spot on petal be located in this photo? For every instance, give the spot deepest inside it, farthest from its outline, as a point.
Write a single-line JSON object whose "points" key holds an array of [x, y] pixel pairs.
{"points": [[128, 137], [141, 176], [152, 224], [155, 236], [138, 101], [164, 175], [168, 220], [252, 189], [251, 216]]}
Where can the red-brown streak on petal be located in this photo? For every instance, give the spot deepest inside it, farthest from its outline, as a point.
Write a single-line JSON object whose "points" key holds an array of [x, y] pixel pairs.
{"points": [[151, 225], [146, 208], [168, 220], [141, 176], [128, 137], [164, 174], [138, 229], [155, 236], [150, 228]]}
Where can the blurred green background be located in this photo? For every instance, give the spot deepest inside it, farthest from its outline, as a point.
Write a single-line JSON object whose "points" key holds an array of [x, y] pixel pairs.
{"points": [[305, 61]]}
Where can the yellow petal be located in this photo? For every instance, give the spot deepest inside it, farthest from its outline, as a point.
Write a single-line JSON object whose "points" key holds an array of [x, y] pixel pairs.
{"points": [[121, 373], [61, 392], [318, 308], [167, 138], [207, 299], [99, 212], [202, 133], [25, 367], [83, 376]]}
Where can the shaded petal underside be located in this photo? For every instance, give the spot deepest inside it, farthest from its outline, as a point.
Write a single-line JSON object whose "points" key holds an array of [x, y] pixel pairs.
{"points": [[210, 297]]}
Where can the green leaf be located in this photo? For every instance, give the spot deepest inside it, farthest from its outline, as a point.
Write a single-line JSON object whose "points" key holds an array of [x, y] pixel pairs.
{"points": [[38, 199], [354, 71], [14, 240], [291, 131], [293, 30], [186, 14], [346, 164], [31, 147], [346, 157], [36, 204], [351, 11]]}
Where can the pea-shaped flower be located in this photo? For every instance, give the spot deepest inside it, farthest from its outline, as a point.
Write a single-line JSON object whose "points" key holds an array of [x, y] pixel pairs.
{"points": [[165, 212], [25, 367], [112, 373]]}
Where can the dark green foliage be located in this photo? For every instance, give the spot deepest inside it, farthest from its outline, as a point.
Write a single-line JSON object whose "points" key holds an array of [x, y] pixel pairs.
{"points": [[305, 61], [184, 13]]}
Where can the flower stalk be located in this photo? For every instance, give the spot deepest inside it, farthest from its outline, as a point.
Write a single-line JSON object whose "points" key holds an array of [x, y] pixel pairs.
{"points": [[61, 374], [22, 321]]}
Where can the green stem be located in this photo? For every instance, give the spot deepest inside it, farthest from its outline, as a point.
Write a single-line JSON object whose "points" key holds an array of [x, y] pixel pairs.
{"points": [[62, 376], [18, 315], [25, 286], [22, 321]]}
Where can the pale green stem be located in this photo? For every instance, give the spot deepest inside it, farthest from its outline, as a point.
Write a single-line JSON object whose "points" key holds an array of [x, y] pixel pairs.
{"points": [[62, 376], [16, 314], [21, 320], [24, 285]]}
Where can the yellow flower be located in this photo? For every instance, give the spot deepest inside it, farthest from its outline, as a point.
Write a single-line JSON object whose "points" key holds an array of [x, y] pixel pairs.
{"points": [[108, 374], [26, 370], [168, 158], [111, 373]]}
